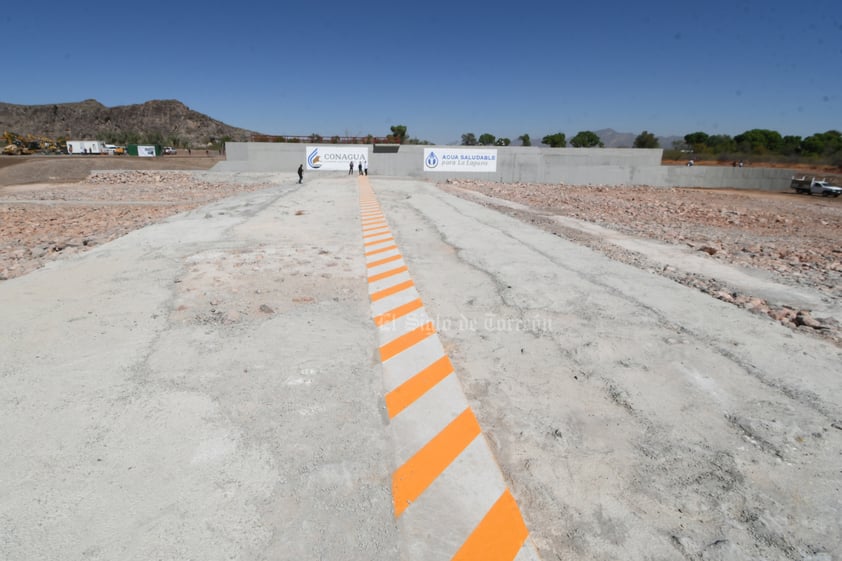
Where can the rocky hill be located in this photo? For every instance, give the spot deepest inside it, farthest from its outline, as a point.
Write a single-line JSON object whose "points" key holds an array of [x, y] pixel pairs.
{"points": [[163, 121]]}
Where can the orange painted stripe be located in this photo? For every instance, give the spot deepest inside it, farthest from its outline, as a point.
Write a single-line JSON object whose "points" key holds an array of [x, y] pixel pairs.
{"points": [[387, 274], [412, 479], [398, 312], [405, 341], [384, 261], [381, 250], [391, 290], [389, 239], [372, 217], [500, 535], [373, 227], [376, 226], [385, 230], [407, 393]]}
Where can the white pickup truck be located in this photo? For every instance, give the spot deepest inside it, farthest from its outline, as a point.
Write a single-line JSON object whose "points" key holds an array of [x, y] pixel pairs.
{"points": [[814, 186]]}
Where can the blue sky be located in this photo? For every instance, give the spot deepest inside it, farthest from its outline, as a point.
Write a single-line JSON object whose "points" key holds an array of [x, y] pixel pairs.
{"points": [[441, 68]]}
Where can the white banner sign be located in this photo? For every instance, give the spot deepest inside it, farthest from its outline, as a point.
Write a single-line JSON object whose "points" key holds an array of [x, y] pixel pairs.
{"points": [[336, 158], [146, 151], [460, 160]]}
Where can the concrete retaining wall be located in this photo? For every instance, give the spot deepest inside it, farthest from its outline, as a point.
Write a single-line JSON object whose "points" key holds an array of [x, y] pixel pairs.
{"points": [[578, 166]]}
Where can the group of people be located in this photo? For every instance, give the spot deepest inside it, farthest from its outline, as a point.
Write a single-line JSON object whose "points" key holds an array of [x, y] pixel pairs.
{"points": [[362, 169]]}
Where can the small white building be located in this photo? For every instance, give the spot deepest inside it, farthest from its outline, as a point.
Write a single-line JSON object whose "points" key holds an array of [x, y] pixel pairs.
{"points": [[86, 147]]}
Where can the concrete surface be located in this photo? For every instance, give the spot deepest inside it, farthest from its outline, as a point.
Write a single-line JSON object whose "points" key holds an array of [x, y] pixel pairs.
{"points": [[635, 418], [689, 260], [200, 389], [209, 388], [447, 488]]}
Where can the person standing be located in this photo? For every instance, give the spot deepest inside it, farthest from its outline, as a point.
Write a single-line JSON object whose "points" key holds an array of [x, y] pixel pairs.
{"points": [[301, 173], [351, 168], [361, 167]]}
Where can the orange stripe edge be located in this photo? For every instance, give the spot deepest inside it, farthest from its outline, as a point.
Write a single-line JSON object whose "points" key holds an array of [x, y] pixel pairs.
{"points": [[411, 479], [499, 536]]}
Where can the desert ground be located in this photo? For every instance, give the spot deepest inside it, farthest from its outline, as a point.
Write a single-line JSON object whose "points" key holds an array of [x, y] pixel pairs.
{"points": [[55, 206], [655, 370]]}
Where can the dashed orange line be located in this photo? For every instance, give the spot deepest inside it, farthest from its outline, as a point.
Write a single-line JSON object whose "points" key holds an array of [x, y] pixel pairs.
{"points": [[375, 242], [377, 222], [412, 479], [405, 341], [398, 312], [499, 536], [387, 274], [400, 287], [407, 393], [381, 250], [385, 231], [502, 533], [384, 261], [375, 225]]}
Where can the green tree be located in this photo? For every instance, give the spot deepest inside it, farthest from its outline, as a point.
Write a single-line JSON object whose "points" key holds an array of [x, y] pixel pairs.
{"points": [[697, 141], [721, 144], [153, 137], [316, 138], [646, 140], [525, 140], [502, 141], [399, 133], [469, 139], [487, 139], [759, 141], [791, 145], [586, 139], [557, 140], [822, 144]]}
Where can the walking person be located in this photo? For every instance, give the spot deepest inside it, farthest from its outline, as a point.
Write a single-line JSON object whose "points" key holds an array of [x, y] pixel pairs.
{"points": [[301, 173], [361, 167], [351, 169]]}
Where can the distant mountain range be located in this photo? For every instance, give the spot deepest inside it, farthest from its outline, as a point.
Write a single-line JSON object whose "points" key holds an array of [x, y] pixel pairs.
{"points": [[171, 120], [614, 139]]}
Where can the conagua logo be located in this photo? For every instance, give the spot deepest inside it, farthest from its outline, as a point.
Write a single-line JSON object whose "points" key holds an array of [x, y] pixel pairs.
{"points": [[432, 160], [314, 160]]}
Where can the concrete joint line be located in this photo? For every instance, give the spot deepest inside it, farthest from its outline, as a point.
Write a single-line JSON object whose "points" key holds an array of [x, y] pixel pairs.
{"points": [[447, 465]]}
